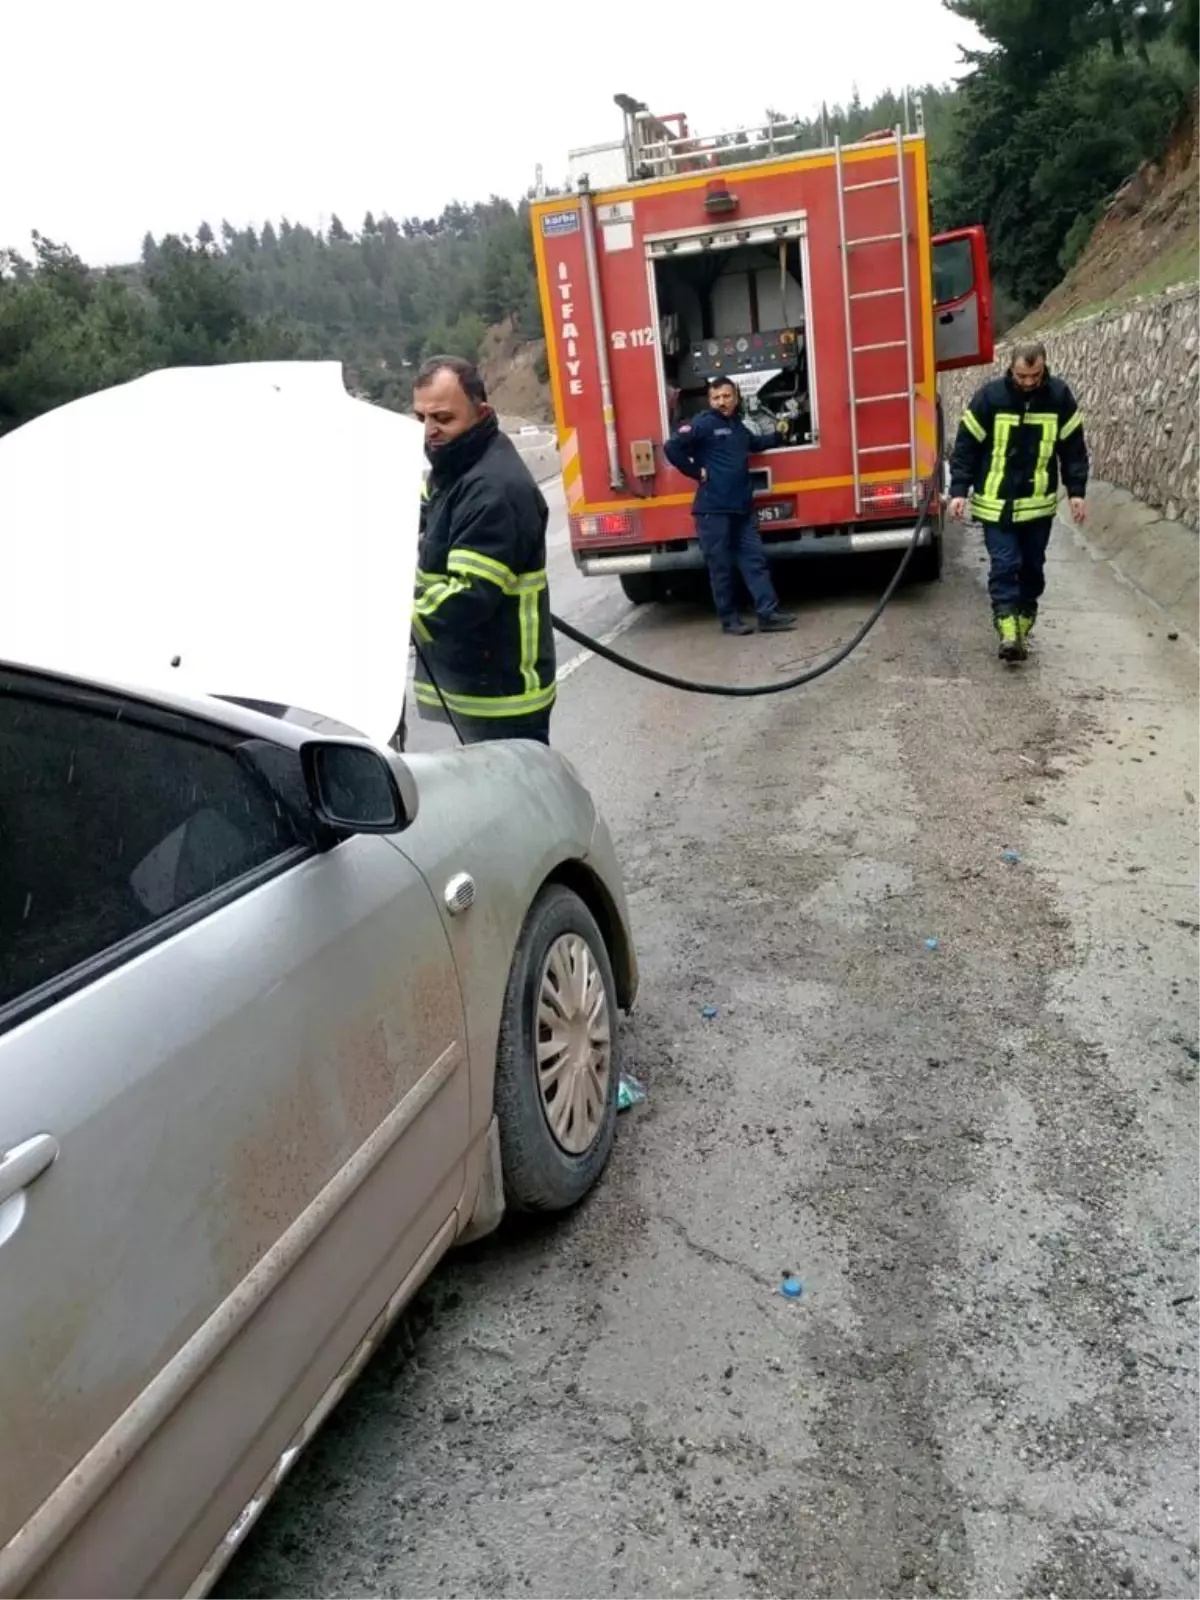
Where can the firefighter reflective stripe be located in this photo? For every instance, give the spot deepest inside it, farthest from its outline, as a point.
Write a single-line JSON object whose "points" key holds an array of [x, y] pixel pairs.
{"points": [[436, 593], [527, 606], [1073, 422], [973, 426], [1036, 505], [984, 510], [1048, 423], [1002, 427], [433, 591], [473, 564], [475, 705], [1036, 509], [1033, 509]]}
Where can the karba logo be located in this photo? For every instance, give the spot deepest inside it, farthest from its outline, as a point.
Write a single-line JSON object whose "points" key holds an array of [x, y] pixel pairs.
{"points": [[558, 222]]}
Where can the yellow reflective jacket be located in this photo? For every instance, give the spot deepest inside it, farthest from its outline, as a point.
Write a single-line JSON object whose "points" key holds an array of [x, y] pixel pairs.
{"points": [[482, 610], [1010, 446]]}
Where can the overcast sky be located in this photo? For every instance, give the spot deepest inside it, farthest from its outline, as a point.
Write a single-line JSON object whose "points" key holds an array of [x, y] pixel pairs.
{"points": [[133, 115]]}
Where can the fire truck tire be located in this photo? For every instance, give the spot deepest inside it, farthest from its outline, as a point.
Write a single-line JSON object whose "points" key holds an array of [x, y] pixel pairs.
{"points": [[642, 588], [926, 563]]}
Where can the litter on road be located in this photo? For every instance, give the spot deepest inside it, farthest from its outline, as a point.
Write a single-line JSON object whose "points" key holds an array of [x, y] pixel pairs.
{"points": [[629, 1093]]}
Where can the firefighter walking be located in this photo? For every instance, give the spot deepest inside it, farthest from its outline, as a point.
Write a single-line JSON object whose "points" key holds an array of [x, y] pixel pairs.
{"points": [[482, 611], [1018, 431]]}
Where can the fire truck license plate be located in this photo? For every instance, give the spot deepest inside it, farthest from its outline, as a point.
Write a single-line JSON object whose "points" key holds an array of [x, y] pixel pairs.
{"points": [[778, 511]]}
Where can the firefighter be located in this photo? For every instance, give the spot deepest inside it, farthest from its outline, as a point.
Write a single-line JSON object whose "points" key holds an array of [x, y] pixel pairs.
{"points": [[482, 612], [715, 448], [1013, 438]]}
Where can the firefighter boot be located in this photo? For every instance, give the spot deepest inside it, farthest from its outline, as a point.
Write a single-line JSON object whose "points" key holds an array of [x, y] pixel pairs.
{"points": [[1012, 642]]}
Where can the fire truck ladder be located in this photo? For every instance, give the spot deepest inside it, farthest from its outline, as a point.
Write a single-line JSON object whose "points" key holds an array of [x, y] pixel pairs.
{"points": [[852, 298]]}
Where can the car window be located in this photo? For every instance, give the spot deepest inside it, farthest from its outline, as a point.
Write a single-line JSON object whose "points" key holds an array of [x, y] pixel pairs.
{"points": [[108, 824]]}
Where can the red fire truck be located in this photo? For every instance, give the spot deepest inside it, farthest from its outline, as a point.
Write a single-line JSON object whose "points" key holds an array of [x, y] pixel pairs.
{"points": [[812, 278]]}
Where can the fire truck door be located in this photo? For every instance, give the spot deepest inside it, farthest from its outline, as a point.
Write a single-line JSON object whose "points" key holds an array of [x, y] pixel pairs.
{"points": [[964, 335]]}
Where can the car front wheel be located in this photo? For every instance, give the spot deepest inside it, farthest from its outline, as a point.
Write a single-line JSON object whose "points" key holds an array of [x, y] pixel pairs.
{"points": [[558, 1065]]}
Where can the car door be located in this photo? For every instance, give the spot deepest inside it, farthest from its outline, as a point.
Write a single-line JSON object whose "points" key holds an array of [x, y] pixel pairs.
{"points": [[233, 1111]]}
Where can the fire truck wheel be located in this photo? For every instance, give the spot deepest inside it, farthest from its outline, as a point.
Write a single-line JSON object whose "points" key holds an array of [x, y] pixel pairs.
{"points": [[926, 564], [643, 587]]}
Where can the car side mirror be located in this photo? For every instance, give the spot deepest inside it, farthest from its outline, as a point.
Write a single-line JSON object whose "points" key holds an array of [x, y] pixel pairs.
{"points": [[357, 788]]}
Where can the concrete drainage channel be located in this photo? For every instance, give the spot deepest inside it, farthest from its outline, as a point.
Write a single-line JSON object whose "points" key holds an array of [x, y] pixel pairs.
{"points": [[540, 454]]}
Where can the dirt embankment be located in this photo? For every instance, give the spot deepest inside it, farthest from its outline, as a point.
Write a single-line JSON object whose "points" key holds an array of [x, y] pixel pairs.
{"points": [[510, 364], [1147, 239]]}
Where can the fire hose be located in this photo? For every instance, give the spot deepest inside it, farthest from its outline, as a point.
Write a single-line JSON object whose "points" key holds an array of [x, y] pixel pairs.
{"points": [[749, 691]]}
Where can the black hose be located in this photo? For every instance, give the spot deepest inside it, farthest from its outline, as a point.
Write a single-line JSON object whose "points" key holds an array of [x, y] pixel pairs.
{"points": [[748, 691], [437, 688]]}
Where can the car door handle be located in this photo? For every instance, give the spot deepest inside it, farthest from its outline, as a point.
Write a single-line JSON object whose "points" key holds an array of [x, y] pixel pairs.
{"points": [[25, 1162]]}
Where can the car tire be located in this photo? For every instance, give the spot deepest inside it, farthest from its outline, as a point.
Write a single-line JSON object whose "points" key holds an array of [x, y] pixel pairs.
{"points": [[545, 1169]]}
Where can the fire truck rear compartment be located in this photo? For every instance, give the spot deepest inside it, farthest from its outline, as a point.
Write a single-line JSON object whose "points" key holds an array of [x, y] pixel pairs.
{"points": [[736, 311]]}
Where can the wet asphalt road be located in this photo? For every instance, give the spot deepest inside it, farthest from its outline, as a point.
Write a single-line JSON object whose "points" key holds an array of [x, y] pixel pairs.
{"points": [[980, 1158]]}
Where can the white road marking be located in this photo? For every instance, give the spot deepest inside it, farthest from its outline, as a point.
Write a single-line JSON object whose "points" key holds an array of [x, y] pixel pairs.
{"points": [[626, 622]]}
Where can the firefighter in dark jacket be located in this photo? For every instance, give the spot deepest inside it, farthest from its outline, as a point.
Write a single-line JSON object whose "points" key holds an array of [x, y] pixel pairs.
{"points": [[715, 448], [1013, 438], [482, 611]]}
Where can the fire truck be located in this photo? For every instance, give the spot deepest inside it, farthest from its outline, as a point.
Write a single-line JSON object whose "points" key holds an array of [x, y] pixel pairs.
{"points": [[810, 277]]}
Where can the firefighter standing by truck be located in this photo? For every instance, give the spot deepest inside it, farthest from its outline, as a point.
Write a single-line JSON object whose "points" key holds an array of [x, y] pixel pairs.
{"points": [[715, 449], [1016, 433], [482, 612]]}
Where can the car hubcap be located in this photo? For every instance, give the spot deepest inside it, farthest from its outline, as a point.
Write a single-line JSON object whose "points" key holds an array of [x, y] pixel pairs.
{"points": [[574, 1043]]}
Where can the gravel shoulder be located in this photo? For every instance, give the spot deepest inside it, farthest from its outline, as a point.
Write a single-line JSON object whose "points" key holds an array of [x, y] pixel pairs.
{"points": [[980, 1159]]}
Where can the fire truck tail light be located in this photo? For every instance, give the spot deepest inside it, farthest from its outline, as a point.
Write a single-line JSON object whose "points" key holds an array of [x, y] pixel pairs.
{"points": [[888, 496], [607, 525]]}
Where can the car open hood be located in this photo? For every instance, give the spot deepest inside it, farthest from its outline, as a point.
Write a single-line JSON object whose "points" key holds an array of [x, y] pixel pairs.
{"points": [[254, 523]]}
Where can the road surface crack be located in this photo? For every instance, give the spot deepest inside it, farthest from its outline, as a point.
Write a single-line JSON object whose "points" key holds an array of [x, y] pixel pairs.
{"points": [[707, 1253]]}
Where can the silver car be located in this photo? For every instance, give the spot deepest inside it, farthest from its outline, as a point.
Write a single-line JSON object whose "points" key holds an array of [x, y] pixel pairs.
{"points": [[283, 1017]]}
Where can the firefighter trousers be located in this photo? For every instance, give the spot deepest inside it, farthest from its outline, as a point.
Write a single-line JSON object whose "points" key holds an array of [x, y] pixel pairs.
{"points": [[731, 544], [1017, 578]]}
